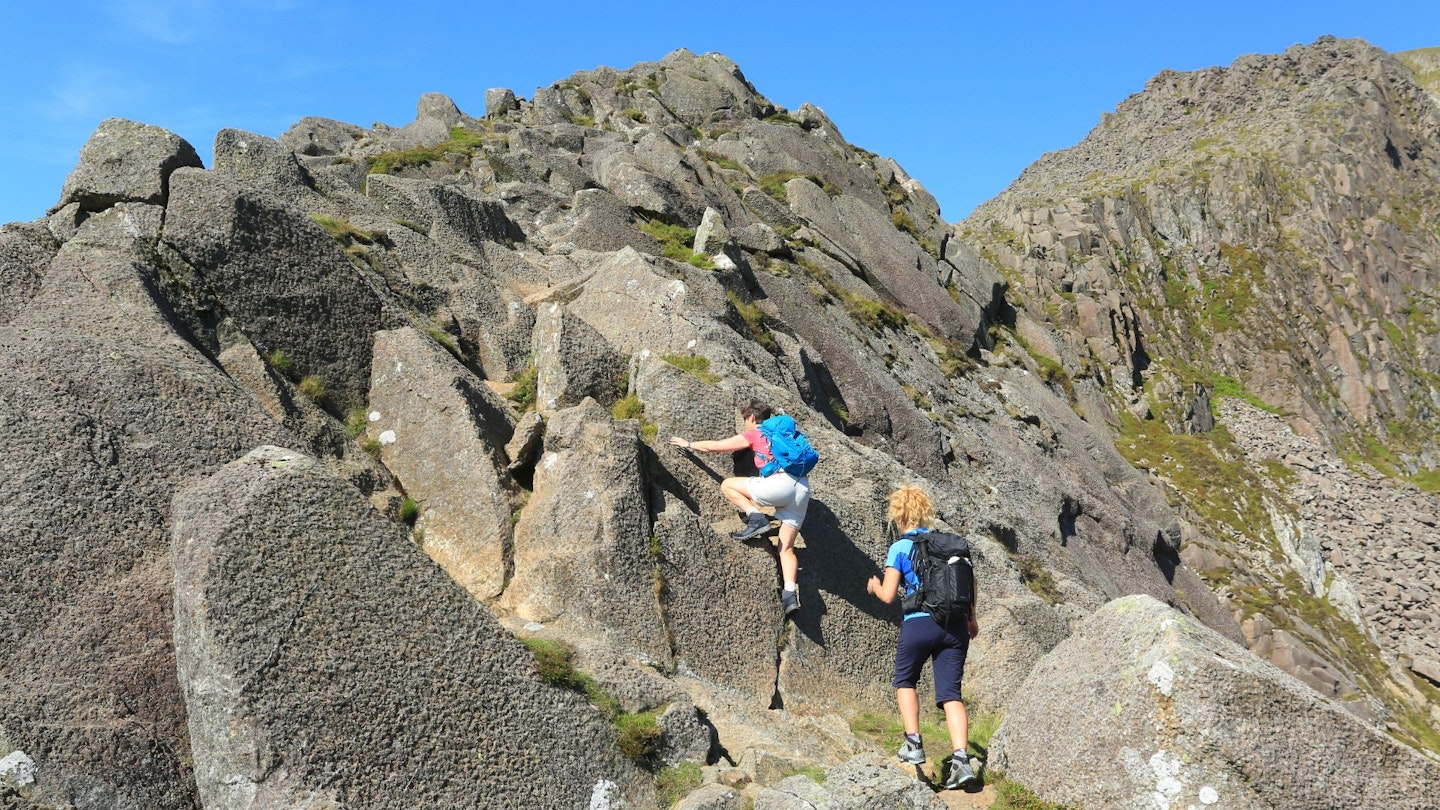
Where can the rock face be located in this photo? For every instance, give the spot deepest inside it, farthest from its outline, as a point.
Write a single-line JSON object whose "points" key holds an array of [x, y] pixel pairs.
{"points": [[125, 161], [1286, 189], [442, 432], [476, 337], [1258, 233], [263, 653], [1172, 715]]}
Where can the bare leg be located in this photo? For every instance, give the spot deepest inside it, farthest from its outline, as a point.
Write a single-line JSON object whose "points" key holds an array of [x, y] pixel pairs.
{"points": [[737, 492], [957, 721], [909, 709], [789, 563]]}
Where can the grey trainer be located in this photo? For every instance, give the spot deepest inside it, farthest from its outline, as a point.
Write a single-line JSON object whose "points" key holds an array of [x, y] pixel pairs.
{"points": [[790, 601], [961, 776], [912, 752], [756, 524]]}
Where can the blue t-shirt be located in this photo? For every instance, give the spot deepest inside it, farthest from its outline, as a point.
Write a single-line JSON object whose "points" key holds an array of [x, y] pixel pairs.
{"points": [[898, 557]]}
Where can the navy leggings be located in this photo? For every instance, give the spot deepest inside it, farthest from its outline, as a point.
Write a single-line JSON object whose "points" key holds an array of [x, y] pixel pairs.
{"points": [[922, 638]]}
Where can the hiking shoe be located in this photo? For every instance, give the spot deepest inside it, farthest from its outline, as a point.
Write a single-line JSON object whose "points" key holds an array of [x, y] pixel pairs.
{"points": [[961, 777], [790, 601], [911, 752], [756, 524]]}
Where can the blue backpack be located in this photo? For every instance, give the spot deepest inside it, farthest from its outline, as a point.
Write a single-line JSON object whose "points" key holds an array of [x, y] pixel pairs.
{"points": [[789, 449]]}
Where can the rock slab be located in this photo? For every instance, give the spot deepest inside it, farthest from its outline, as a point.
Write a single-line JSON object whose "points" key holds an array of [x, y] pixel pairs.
{"points": [[314, 677], [1166, 713]]}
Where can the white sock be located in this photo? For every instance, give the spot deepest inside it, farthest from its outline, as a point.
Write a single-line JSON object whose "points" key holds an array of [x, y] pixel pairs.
{"points": [[790, 586]]}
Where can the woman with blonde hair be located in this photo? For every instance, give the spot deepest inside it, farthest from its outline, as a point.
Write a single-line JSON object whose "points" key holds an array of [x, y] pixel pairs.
{"points": [[921, 637]]}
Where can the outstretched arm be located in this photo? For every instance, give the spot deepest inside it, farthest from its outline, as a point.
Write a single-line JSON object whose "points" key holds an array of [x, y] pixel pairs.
{"points": [[730, 445], [884, 590]]}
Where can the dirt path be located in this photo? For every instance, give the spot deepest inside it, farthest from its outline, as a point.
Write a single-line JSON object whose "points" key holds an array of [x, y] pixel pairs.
{"points": [[953, 799]]}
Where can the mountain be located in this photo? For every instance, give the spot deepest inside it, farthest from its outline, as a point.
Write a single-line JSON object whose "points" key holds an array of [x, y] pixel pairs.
{"points": [[338, 472]]}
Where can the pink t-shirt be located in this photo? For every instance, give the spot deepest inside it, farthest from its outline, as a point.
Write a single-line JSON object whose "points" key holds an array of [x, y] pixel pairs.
{"points": [[760, 445]]}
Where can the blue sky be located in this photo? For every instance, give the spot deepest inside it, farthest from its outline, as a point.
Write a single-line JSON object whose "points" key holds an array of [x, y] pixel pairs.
{"points": [[963, 95]]}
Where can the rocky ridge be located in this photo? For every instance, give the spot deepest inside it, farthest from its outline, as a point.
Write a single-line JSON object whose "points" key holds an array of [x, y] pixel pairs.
{"points": [[1257, 234], [459, 344]]}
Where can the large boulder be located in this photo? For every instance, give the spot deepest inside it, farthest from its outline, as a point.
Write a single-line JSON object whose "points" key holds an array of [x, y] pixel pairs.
{"points": [[285, 283], [573, 361], [893, 261], [583, 549], [263, 162], [25, 250], [108, 410], [600, 221], [455, 220], [313, 136], [1175, 715], [327, 662], [441, 433], [125, 161]]}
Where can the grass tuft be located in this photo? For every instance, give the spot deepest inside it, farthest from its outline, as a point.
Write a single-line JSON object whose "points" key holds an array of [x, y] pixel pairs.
{"points": [[676, 782], [696, 365], [523, 392], [463, 144], [754, 319], [409, 510], [313, 386], [639, 737]]}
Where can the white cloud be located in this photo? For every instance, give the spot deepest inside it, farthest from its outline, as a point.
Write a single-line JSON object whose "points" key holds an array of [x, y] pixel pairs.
{"points": [[88, 92], [170, 22]]}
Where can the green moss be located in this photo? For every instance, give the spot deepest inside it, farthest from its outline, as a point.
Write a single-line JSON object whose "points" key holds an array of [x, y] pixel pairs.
{"points": [[356, 421], [1228, 387], [279, 361], [1428, 480], [409, 509], [675, 242], [781, 118], [345, 233], [554, 666], [904, 222], [639, 736], [872, 314], [463, 144], [676, 782], [1038, 579], [721, 161], [313, 386], [447, 340], [1207, 471], [774, 184], [754, 319], [628, 407], [1276, 471], [522, 393], [1014, 796], [634, 114], [371, 446], [1394, 334], [696, 365], [885, 730], [814, 773]]}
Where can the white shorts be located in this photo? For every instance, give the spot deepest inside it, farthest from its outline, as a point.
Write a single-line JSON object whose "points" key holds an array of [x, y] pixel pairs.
{"points": [[790, 496]]}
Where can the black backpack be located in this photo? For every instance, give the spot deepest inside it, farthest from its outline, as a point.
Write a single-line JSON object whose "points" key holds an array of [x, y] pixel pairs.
{"points": [[947, 579]]}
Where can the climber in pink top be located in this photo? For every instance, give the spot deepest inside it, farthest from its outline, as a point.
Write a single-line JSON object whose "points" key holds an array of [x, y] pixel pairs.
{"points": [[788, 494]]}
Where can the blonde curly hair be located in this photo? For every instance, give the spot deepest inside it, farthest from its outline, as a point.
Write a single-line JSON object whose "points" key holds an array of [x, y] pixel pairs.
{"points": [[910, 508]]}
